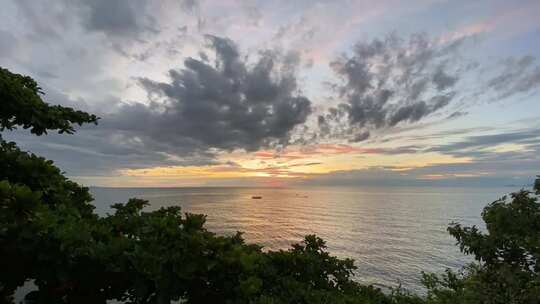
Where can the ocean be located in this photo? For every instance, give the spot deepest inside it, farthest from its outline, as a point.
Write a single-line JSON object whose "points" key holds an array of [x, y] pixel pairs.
{"points": [[393, 233]]}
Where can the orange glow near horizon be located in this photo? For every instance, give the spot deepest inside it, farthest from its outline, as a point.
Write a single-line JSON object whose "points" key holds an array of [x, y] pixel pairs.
{"points": [[296, 163]]}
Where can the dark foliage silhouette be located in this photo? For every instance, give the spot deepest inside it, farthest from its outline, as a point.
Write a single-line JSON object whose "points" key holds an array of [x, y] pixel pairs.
{"points": [[50, 235]]}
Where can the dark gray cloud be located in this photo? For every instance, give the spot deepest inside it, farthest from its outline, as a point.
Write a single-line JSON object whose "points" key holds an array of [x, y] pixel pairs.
{"points": [[361, 136], [226, 104], [100, 152], [124, 20], [119, 18], [457, 114], [221, 103], [88, 55], [103, 149], [442, 80], [392, 81], [517, 76], [416, 111], [116, 18], [55, 38]]}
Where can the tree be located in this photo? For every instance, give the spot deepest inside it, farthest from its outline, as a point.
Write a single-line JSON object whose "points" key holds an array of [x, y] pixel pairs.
{"points": [[507, 254], [32, 188], [22, 106], [50, 234]]}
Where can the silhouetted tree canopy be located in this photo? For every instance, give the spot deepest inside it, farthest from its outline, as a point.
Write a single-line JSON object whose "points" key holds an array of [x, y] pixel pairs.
{"points": [[507, 254], [50, 235], [21, 105]]}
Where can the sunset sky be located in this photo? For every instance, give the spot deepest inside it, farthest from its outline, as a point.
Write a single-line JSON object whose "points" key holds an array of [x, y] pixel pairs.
{"points": [[285, 93]]}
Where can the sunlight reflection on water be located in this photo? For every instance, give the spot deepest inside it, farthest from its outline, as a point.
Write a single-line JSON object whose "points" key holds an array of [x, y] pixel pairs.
{"points": [[392, 233]]}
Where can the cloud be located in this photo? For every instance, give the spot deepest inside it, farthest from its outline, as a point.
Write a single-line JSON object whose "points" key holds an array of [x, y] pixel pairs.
{"points": [[102, 152], [499, 174], [392, 81], [91, 55], [8, 44], [253, 12], [116, 18], [515, 77], [189, 5], [332, 149], [228, 104], [484, 146], [224, 102], [488, 167], [418, 110], [457, 114], [104, 149]]}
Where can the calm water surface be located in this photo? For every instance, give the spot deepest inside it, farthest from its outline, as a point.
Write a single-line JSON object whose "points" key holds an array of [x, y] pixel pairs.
{"points": [[392, 233]]}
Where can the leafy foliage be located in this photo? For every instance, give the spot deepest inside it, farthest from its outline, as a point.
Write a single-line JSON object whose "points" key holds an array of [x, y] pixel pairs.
{"points": [[22, 105], [508, 253], [50, 235], [157, 257]]}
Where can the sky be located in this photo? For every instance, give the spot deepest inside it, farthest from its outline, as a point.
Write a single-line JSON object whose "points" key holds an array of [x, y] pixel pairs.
{"points": [[284, 93]]}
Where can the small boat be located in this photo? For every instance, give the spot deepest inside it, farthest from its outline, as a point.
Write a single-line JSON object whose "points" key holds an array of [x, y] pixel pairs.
{"points": [[256, 197]]}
